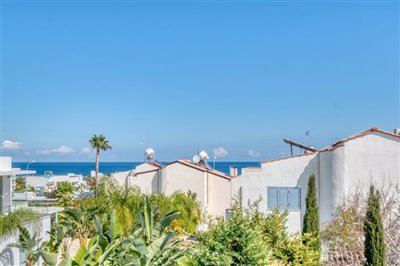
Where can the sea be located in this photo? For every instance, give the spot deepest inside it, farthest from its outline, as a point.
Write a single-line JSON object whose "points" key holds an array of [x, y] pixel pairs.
{"points": [[84, 168]]}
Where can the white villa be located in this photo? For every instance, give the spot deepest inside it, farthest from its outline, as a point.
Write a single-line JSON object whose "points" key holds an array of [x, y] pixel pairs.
{"points": [[369, 157], [212, 187], [372, 156]]}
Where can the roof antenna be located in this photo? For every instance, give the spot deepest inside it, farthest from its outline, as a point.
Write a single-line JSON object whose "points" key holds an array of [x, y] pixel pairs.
{"points": [[306, 134]]}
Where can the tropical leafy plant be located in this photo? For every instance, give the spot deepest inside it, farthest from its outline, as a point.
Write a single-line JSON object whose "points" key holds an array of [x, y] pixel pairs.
{"points": [[29, 245], [79, 222], [127, 201], [151, 244]]}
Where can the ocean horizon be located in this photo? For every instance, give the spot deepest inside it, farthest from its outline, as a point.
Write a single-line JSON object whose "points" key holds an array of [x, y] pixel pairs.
{"points": [[84, 168]]}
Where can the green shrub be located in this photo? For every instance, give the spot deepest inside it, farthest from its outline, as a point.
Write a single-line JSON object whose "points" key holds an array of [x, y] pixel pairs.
{"points": [[253, 238], [64, 193], [232, 242]]}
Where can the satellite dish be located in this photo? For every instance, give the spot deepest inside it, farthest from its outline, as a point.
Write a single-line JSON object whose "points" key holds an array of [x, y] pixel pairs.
{"points": [[149, 154], [196, 158], [203, 156]]}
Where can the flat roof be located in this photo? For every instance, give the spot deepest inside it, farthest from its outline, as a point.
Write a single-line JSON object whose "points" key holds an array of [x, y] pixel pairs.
{"points": [[16, 171]]}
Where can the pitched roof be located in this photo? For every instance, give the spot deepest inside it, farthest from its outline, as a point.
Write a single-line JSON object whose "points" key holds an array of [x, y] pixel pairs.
{"points": [[155, 164], [363, 133], [201, 168], [290, 157], [338, 143]]}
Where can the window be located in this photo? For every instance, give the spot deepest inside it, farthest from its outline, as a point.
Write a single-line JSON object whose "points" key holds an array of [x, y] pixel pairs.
{"points": [[284, 198]]}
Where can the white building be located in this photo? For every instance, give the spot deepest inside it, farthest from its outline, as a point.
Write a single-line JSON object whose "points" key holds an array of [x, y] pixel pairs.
{"points": [[34, 181], [372, 156], [211, 187], [13, 256]]}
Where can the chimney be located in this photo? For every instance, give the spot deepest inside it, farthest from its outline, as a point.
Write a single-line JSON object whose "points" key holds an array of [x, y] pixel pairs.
{"points": [[233, 170], [397, 131]]}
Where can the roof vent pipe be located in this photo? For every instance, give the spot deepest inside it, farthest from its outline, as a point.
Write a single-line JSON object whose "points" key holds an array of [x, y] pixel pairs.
{"points": [[233, 170]]}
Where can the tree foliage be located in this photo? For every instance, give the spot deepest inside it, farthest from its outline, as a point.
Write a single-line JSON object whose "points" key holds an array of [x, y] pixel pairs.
{"points": [[64, 193], [250, 237], [374, 244], [344, 235], [311, 216], [126, 201]]}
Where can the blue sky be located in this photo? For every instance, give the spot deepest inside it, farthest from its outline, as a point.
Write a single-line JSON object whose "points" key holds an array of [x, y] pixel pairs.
{"points": [[181, 75]]}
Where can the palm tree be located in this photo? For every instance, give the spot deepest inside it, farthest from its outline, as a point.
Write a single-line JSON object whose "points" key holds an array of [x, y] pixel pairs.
{"points": [[99, 143]]}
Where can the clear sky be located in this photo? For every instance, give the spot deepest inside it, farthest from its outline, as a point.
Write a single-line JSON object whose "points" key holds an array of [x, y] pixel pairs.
{"points": [[178, 76]]}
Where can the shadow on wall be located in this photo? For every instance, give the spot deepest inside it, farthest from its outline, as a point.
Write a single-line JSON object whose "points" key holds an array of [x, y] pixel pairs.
{"points": [[154, 184], [6, 257], [309, 170]]}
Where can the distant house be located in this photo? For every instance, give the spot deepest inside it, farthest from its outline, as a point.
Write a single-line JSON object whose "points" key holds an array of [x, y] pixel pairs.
{"points": [[372, 156], [212, 187]]}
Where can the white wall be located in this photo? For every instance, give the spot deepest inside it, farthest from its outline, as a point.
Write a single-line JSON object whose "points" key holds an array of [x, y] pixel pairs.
{"points": [[35, 181], [219, 195], [5, 194], [5, 163], [293, 172], [146, 182], [325, 186], [10, 256], [179, 177], [374, 158]]}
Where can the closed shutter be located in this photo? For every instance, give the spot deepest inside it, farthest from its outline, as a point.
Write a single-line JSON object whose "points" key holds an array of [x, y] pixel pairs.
{"points": [[272, 198], [294, 196], [283, 198]]}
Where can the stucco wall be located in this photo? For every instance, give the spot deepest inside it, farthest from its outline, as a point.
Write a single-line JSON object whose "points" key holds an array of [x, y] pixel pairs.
{"points": [[147, 182], [325, 186], [293, 172], [178, 177], [120, 177], [374, 158], [219, 195]]}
